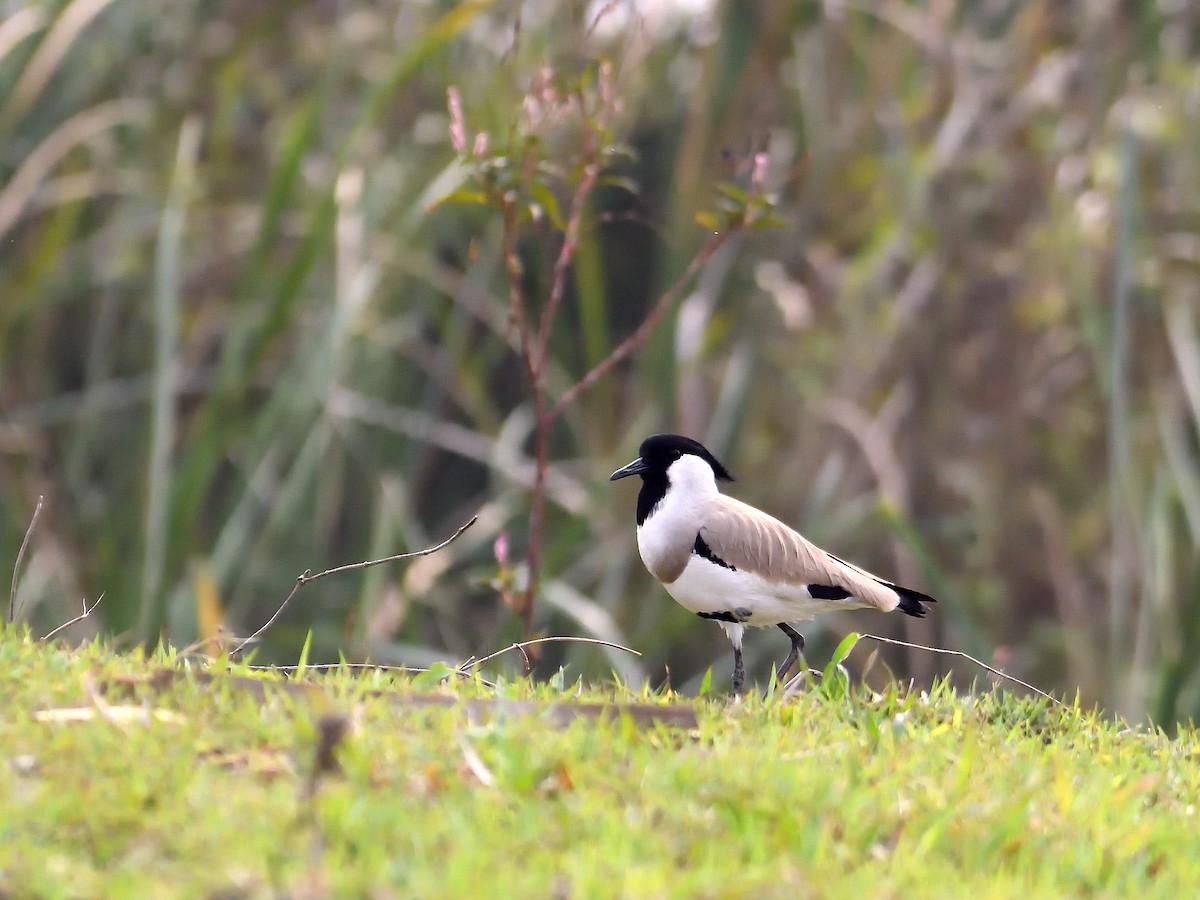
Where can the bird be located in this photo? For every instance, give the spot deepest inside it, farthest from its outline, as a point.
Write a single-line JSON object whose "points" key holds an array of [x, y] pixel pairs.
{"points": [[727, 561]]}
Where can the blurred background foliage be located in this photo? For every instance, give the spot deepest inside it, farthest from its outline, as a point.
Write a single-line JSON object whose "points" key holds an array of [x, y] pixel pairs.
{"points": [[239, 338]]}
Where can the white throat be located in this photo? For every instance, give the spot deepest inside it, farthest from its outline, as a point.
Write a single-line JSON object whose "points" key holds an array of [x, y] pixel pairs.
{"points": [[670, 529], [691, 476]]}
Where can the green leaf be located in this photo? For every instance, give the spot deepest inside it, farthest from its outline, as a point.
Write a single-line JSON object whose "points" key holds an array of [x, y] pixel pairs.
{"points": [[548, 202], [709, 220], [773, 685], [706, 682], [303, 663], [771, 220], [843, 649], [433, 676], [624, 182], [872, 722], [623, 151], [734, 193], [462, 195]]}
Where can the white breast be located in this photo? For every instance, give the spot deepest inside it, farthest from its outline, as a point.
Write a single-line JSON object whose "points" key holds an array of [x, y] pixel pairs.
{"points": [[666, 538]]}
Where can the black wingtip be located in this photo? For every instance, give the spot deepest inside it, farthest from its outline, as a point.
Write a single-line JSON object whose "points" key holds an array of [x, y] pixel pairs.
{"points": [[911, 601]]}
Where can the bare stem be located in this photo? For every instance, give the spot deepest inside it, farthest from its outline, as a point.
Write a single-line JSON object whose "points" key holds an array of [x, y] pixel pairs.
{"points": [[12, 594], [635, 340], [307, 576], [545, 418], [537, 506], [516, 297], [536, 358], [566, 253], [534, 368]]}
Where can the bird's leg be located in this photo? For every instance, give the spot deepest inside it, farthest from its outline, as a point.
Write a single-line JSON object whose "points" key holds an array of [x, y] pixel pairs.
{"points": [[739, 672], [797, 640]]}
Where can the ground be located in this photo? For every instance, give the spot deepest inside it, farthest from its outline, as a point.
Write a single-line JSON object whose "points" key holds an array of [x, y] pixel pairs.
{"points": [[119, 780]]}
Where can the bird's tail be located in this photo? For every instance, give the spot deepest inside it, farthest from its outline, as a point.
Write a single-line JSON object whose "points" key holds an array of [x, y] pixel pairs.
{"points": [[911, 601]]}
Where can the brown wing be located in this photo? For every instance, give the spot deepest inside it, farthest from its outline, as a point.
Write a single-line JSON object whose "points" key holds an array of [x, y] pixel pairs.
{"points": [[752, 541]]}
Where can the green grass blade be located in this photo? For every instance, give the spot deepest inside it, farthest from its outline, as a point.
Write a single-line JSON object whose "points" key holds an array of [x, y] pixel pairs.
{"points": [[302, 662], [842, 650]]}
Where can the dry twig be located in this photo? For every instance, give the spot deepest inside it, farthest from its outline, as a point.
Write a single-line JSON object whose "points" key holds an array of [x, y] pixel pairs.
{"points": [[12, 594], [475, 764], [521, 645], [966, 656], [307, 576], [87, 611]]}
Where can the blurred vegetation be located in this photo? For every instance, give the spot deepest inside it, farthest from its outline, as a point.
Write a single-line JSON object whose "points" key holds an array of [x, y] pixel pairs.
{"points": [[239, 337]]}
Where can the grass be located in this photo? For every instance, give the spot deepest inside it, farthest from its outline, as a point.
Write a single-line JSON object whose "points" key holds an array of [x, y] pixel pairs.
{"points": [[832, 792]]}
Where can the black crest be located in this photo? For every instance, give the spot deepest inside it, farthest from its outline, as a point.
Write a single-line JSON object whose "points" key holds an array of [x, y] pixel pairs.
{"points": [[660, 450]]}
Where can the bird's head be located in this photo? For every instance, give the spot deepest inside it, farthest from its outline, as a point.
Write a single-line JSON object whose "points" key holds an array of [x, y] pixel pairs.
{"points": [[663, 455]]}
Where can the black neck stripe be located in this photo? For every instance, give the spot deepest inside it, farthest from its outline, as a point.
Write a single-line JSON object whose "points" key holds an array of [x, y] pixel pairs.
{"points": [[654, 488]]}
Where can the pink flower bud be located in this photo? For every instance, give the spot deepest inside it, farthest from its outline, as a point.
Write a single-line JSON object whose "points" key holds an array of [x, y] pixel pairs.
{"points": [[458, 128], [533, 112], [500, 548], [759, 176], [605, 83]]}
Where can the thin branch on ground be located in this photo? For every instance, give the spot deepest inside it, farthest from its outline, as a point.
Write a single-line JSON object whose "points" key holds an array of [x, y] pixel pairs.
{"points": [[12, 594], [87, 611], [521, 645], [968, 657], [307, 576]]}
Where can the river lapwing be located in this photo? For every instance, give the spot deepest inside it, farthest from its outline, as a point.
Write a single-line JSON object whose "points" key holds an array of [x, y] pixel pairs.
{"points": [[722, 559]]}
